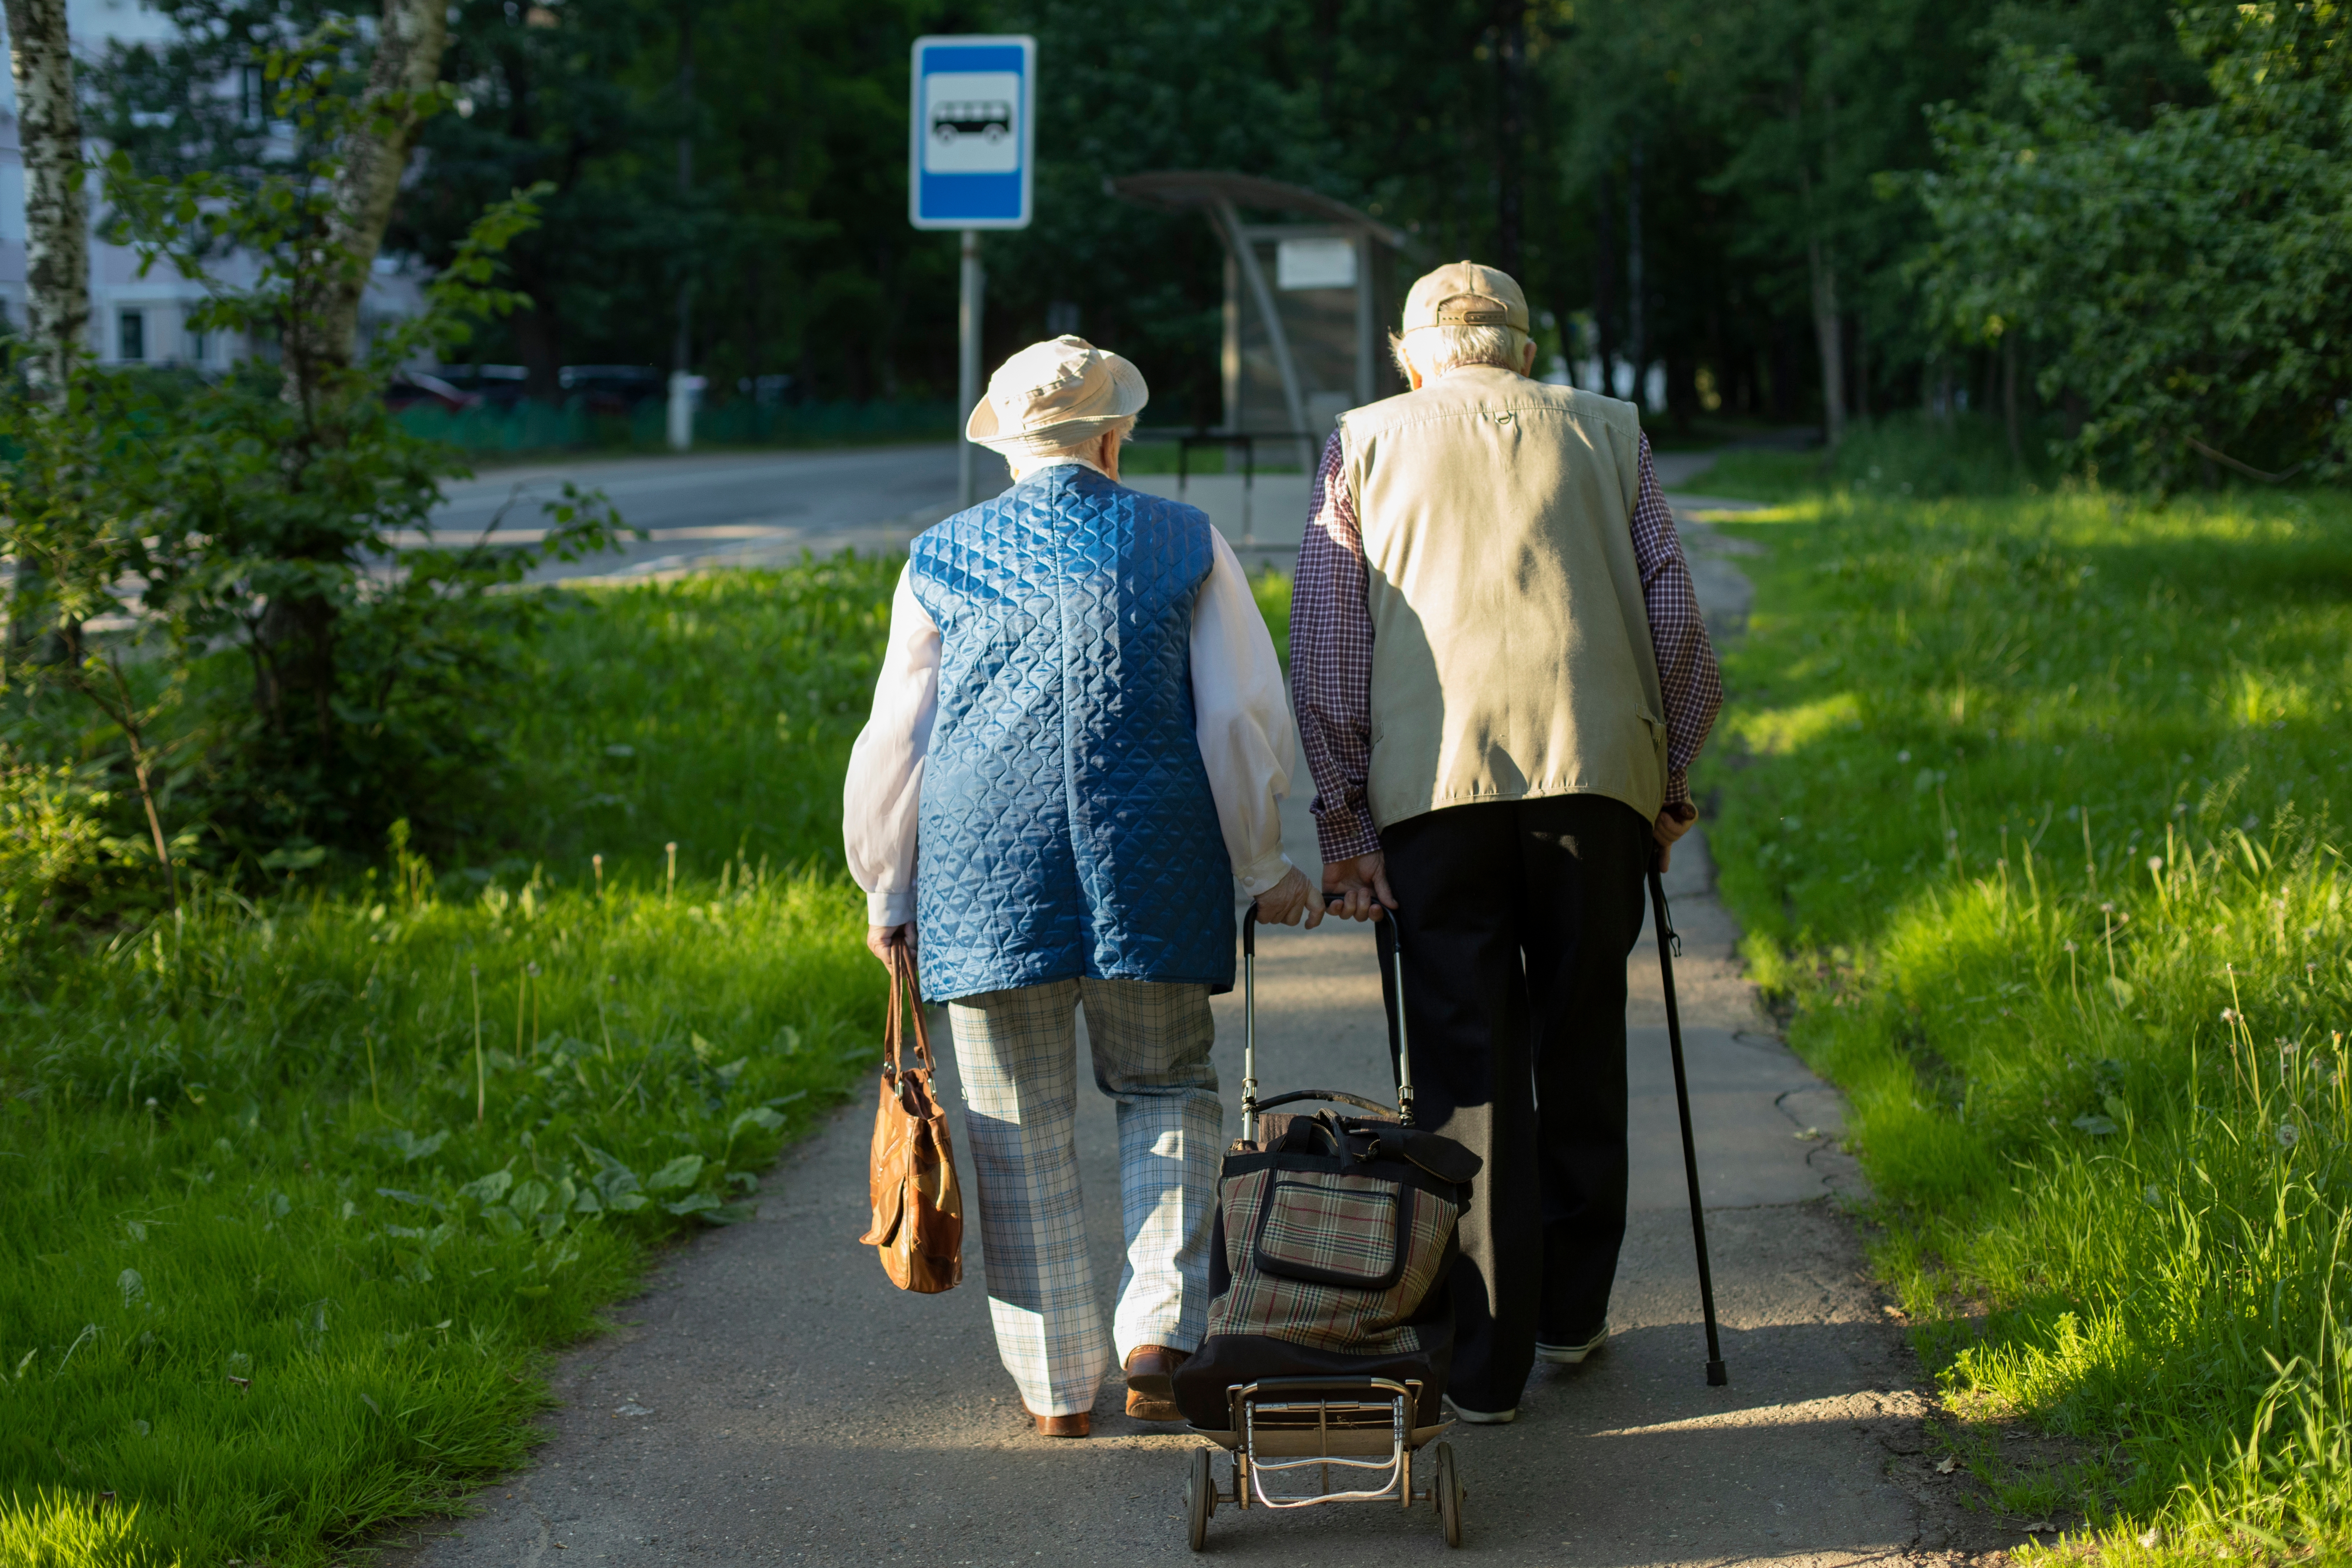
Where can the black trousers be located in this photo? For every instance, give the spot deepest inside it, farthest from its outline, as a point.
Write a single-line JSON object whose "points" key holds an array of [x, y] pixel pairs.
{"points": [[1516, 917]]}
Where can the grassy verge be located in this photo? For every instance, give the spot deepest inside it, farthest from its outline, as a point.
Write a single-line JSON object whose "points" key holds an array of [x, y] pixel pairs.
{"points": [[1907, 456], [715, 712], [2026, 805], [295, 1193]]}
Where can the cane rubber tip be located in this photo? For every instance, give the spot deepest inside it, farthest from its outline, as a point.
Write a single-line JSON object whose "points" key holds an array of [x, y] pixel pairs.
{"points": [[1718, 1375]]}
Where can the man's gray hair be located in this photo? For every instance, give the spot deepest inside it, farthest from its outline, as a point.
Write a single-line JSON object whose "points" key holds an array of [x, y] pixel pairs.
{"points": [[1433, 350]]}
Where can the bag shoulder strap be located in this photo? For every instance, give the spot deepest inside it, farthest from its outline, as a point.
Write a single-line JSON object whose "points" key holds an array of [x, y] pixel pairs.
{"points": [[906, 1001]]}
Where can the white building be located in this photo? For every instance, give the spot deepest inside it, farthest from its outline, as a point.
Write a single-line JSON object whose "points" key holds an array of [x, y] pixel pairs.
{"points": [[135, 320]]}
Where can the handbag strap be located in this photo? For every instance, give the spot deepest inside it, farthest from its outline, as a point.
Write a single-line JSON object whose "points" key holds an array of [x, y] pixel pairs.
{"points": [[906, 1001]]}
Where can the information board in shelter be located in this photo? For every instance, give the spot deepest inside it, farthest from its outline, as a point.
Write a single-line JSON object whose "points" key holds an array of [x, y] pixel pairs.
{"points": [[971, 148]]}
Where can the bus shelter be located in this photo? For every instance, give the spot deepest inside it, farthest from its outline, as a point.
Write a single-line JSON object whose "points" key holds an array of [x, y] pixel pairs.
{"points": [[1311, 294]]}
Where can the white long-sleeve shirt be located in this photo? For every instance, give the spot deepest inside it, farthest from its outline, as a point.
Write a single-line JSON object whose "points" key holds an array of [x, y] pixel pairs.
{"points": [[1241, 715]]}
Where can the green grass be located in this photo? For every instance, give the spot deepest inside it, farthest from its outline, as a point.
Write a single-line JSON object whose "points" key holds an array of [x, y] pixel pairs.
{"points": [[1761, 475], [2031, 808], [1153, 456], [716, 712], [1271, 587], [1909, 456], [286, 1228]]}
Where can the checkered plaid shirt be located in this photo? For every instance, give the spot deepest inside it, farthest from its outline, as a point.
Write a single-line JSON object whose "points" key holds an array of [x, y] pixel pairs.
{"points": [[1331, 652]]}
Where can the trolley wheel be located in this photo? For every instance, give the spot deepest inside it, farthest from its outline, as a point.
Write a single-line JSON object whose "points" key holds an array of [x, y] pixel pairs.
{"points": [[1200, 1499], [1446, 1488]]}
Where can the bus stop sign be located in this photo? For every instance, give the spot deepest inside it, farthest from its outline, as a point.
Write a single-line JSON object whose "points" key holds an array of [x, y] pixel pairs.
{"points": [[971, 148]]}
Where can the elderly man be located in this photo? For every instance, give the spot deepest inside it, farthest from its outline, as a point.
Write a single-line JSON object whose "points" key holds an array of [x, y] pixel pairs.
{"points": [[1080, 737], [1501, 679]]}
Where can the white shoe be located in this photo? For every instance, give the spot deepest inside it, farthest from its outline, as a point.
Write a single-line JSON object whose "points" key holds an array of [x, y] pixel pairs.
{"points": [[1568, 1355], [1482, 1417]]}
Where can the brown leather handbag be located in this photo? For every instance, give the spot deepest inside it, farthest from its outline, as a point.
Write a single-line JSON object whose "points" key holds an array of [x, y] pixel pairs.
{"points": [[918, 1208]]}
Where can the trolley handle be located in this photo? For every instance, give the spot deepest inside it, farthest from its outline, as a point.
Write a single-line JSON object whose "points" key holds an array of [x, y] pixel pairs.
{"points": [[1400, 1053]]}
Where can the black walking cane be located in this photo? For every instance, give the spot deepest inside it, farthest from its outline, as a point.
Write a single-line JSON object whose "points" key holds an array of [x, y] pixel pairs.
{"points": [[1670, 943]]}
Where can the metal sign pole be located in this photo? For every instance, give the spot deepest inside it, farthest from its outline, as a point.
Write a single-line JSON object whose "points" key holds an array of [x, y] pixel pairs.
{"points": [[968, 311], [972, 149]]}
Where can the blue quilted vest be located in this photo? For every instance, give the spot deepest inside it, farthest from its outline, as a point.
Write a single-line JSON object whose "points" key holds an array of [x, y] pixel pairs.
{"points": [[1067, 829]]}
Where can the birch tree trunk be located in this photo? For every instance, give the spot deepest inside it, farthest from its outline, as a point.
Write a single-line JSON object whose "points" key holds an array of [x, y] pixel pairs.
{"points": [[409, 44], [57, 207], [297, 635]]}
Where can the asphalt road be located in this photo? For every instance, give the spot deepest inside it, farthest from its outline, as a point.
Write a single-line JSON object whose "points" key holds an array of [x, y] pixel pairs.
{"points": [[703, 509], [770, 1399], [707, 510]]}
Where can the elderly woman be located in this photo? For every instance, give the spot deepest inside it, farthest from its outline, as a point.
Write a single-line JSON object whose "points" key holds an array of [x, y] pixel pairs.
{"points": [[1080, 737]]}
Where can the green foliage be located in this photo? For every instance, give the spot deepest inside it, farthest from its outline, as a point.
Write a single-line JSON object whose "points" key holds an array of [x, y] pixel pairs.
{"points": [[301, 1188], [729, 178], [782, 239], [247, 524], [1805, 101], [53, 841], [2032, 819], [2186, 284]]}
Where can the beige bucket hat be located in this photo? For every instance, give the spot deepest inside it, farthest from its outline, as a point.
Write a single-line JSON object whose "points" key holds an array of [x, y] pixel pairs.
{"points": [[1465, 294], [1056, 394]]}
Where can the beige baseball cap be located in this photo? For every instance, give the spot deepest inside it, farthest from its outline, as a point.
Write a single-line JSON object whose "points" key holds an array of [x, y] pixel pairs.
{"points": [[1056, 394], [1465, 294]]}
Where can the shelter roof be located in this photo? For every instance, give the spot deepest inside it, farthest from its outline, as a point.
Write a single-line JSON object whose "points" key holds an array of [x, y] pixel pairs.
{"points": [[1189, 190]]}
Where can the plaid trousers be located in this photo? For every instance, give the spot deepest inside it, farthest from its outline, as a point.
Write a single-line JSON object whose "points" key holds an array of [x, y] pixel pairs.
{"points": [[1016, 1055]]}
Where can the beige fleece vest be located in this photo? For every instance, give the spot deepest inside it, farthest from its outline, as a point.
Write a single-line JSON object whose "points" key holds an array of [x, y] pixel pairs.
{"points": [[1511, 655]]}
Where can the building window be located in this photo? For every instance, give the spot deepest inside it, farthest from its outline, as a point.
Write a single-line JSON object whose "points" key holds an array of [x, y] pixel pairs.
{"points": [[200, 346], [133, 335], [251, 104]]}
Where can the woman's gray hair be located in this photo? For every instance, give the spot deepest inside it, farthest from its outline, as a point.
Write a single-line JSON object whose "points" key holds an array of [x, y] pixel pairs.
{"points": [[1024, 457], [1066, 438], [1433, 350]]}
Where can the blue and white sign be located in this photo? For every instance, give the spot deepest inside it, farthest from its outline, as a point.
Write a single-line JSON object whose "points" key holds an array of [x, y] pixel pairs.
{"points": [[971, 148]]}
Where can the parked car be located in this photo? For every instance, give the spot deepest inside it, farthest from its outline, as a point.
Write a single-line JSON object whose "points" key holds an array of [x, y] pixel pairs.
{"points": [[499, 385], [612, 388], [409, 388]]}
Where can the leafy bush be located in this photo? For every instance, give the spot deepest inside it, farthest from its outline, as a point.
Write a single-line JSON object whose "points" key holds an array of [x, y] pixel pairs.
{"points": [[246, 525], [2190, 285], [51, 840]]}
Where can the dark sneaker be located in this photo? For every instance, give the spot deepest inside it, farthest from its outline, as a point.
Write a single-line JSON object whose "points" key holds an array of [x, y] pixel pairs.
{"points": [[1569, 1355], [1482, 1417]]}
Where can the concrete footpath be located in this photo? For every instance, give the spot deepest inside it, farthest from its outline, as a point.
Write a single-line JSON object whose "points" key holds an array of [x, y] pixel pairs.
{"points": [[769, 1398]]}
